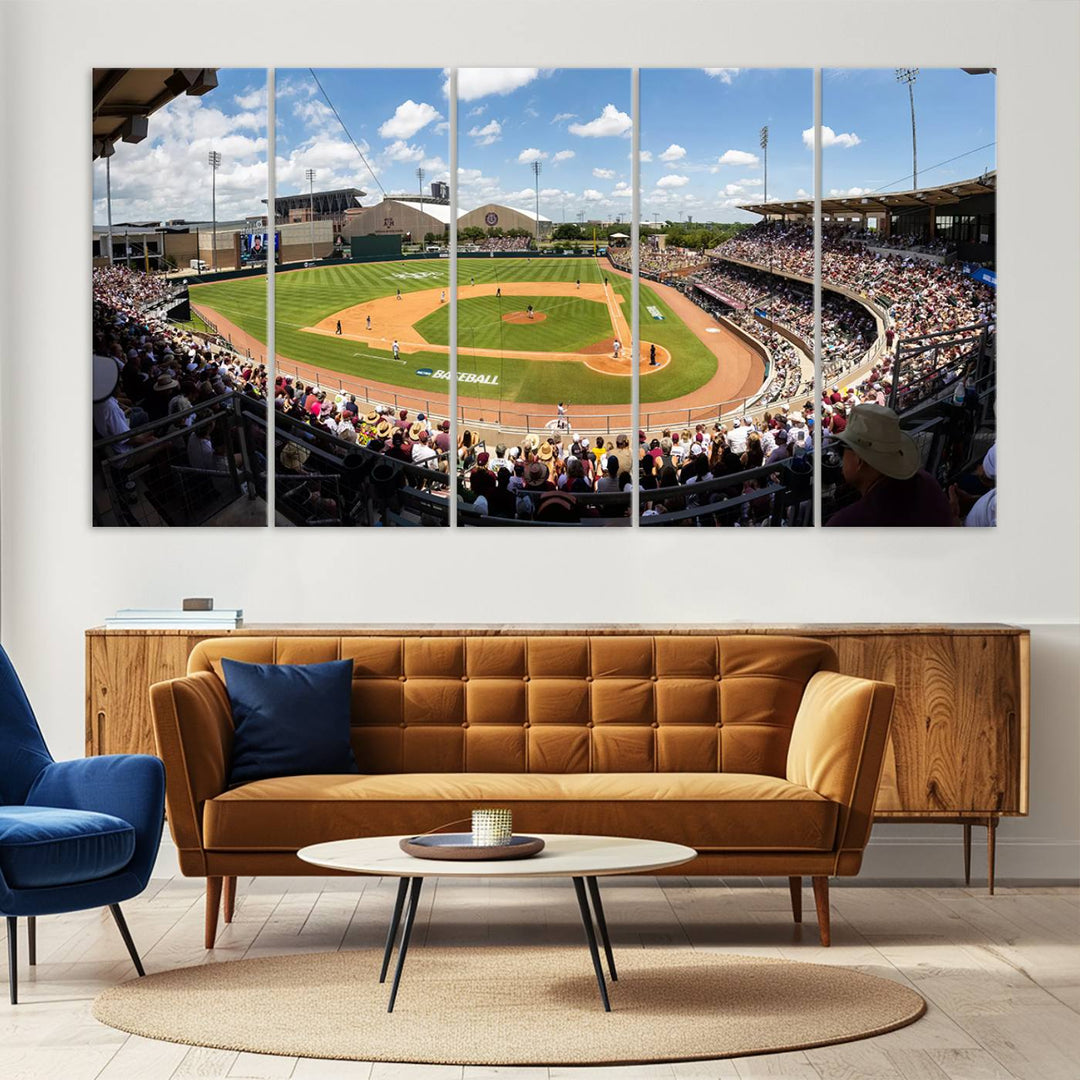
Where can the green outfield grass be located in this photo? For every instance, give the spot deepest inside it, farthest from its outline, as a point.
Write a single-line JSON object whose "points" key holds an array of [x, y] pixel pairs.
{"points": [[306, 296], [569, 324]]}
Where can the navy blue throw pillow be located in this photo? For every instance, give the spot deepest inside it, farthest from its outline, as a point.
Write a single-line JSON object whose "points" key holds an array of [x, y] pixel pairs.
{"points": [[290, 719]]}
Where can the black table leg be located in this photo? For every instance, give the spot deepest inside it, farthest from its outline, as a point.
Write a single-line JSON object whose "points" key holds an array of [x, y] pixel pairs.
{"points": [[395, 922], [403, 948], [601, 922], [590, 934], [121, 925], [13, 958], [31, 938]]}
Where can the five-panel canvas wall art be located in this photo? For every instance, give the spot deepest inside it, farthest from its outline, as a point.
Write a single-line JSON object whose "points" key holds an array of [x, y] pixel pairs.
{"points": [[458, 299]]}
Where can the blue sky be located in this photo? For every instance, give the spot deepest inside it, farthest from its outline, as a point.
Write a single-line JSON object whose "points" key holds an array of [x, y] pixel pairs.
{"points": [[699, 138], [575, 122], [954, 115], [167, 175]]}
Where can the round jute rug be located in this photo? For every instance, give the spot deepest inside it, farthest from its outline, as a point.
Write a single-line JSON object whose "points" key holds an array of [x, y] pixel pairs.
{"points": [[510, 1006]]}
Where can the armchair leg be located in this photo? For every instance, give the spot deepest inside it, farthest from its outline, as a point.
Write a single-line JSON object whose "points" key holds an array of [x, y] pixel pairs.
{"points": [[229, 901], [821, 899], [795, 885], [13, 957], [31, 938], [213, 906], [121, 925]]}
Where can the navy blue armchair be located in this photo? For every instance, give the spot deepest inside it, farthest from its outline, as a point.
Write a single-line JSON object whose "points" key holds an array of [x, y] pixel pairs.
{"points": [[73, 834]]}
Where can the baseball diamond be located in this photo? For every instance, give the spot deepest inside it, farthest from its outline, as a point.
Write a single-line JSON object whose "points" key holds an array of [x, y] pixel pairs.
{"points": [[566, 351]]}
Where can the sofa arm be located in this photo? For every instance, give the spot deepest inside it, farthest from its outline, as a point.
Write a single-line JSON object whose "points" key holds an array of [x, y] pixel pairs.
{"points": [[127, 786], [193, 729], [837, 749]]}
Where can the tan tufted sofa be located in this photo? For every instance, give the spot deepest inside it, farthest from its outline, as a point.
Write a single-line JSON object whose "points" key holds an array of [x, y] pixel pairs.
{"points": [[751, 749]]}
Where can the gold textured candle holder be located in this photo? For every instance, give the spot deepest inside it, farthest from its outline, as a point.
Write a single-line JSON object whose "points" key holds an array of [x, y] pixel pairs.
{"points": [[491, 828]]}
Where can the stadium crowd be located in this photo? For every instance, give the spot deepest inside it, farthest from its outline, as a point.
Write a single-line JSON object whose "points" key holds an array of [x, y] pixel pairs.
{"points": [[654, 263], [499, 243]]}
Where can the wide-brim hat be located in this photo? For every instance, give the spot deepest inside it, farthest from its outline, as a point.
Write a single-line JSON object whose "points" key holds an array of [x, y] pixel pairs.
{"points": [[372, 417], [873, 432], [545, 452], [414, 431], [106, 376], [293, 455], [536, 472], [165, 382], [383, 430]]}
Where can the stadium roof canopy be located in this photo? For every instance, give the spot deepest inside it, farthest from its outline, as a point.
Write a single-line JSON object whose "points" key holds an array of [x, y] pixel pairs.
{"points": [[872, 202], [438, 210], [529, 214], [345, 197], [124, 97]]}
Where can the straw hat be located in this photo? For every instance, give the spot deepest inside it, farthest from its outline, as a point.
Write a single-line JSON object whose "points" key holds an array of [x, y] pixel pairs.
{"points": [[546, 452], [414, 431], [293, 455], [383, 429], [873, 432]]}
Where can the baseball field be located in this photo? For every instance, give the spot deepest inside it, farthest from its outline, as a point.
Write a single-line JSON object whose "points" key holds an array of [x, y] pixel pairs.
{"points": [[346, 318]]}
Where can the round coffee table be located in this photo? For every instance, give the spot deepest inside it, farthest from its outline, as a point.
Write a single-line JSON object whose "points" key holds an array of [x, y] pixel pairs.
{"points": [[582, 858]]}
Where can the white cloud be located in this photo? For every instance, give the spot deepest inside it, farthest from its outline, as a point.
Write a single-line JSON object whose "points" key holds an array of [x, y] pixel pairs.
{"points": [[846, 140], [551, 192], [531, 154], [604, 174], [725, 75], [737, 157], [622, 190], [490, 133], [800, 194], [252, 99], [645, 156], [316, 116], [674, 152], [672, 181], [476, 83], [478, 111], [559, 118], [592, 195], [409, 117], [849, 193], [442, 127], [400, 150], [749, 181], [562, 155], [610, 122]]}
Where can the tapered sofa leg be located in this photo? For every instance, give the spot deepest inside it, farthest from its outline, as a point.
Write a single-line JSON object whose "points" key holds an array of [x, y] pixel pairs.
{"points": [[795, 885], [229, 898], [213, 906], [31, 939], [13, 957], [821, 899]]}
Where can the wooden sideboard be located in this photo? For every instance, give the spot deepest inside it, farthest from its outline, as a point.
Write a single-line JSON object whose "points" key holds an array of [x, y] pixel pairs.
{"points": [[959, 748]]}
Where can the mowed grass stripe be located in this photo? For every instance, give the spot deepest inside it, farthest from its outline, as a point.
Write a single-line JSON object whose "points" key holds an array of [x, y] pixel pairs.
{"points": [[569, 324], [306, 296]]}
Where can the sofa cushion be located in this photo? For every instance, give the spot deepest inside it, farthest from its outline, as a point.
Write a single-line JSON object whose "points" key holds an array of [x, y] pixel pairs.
{"points": [[290, 719], [730, 811], [41, 847]]}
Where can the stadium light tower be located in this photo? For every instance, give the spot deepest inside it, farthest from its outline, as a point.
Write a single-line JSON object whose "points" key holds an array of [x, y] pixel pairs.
{"points": [[909, 75], [214, 161], [536, 167], [420, 178], [309, 175], [764, 142]]}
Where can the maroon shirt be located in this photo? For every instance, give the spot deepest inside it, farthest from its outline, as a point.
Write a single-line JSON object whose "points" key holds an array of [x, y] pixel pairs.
{"points": [[918, 501]]}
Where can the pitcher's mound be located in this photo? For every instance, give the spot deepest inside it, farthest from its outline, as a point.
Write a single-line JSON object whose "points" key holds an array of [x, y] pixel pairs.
{"points": [[523, 317]]}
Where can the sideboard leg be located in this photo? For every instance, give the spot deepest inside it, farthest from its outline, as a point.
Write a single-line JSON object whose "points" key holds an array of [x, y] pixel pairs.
{"points": [[967, 852], [991, 850], [795, 885], [821, 900]]}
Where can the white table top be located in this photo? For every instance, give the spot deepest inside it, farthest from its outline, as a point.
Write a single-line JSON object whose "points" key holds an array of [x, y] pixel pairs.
{"points": [[563, 856]]}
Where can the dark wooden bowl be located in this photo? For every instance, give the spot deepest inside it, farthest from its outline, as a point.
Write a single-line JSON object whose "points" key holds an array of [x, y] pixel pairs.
{"points": [[459, 847]]}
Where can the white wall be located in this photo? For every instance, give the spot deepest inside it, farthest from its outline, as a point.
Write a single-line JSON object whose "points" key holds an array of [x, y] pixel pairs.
{"points": [[60, 576]]}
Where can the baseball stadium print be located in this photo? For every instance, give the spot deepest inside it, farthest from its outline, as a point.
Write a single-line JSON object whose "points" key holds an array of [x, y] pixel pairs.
{"points": [[383, 416], [179, 413], [726, 431], [544, 346]]}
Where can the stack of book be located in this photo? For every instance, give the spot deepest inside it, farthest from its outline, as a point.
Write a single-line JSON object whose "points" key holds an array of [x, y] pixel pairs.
{"points": [[174, 618]]}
